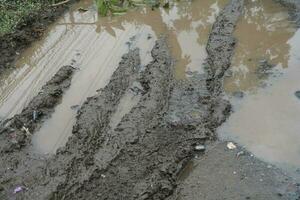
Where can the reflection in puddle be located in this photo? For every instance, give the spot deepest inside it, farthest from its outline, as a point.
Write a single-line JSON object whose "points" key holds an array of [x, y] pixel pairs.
{"points": [[95, 46], [262, 34], [266, 121]]}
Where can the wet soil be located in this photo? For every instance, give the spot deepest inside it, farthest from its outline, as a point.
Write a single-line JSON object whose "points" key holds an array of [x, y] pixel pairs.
{"points": [[142, 153], [232, 174], [26, 32]]}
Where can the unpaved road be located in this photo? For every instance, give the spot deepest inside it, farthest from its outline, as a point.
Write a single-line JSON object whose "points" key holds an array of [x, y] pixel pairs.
{"points": [[145, 155]]}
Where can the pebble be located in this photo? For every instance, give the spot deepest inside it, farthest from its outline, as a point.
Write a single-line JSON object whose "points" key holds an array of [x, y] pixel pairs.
{"points": [[200, 148]]}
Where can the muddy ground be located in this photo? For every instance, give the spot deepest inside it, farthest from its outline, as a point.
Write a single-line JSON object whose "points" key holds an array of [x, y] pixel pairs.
{"points": [[148, 153], [30, 29]]}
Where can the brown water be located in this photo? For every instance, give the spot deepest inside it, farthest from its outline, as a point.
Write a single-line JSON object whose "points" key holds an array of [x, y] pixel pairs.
{"points": [[266, 120], [95, 46]]}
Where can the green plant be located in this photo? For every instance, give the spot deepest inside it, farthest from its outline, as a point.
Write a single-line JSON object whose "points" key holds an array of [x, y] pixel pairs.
{"points": [[117, 7], [12, 13]]}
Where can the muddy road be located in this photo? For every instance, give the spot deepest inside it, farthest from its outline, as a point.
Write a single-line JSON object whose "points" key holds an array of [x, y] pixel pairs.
{"points": [[133, 113]]}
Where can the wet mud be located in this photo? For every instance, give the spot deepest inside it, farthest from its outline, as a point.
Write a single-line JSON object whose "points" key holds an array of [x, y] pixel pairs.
{"points": [[138, 152]]}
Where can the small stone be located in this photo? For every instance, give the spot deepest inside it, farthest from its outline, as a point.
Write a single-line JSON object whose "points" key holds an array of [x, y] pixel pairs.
{"points": [[200, 148], [297, 94]]}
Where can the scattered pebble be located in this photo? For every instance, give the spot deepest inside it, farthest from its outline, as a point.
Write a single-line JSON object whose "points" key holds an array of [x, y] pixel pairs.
{"points": [[231, 146], [200, 148]]}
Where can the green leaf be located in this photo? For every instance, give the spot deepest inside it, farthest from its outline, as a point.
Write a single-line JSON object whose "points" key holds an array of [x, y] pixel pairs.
{"points": [[103, 7]]}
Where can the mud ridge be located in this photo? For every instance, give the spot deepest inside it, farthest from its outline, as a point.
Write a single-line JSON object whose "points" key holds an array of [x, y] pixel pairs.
{"points": [[28, 31], [39, 108], [16, 133], [143, 156]]}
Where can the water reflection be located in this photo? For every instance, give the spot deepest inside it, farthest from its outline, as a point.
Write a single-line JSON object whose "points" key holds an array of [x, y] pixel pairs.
{"points": [[266, 121], [100, 43], [262, 34]]}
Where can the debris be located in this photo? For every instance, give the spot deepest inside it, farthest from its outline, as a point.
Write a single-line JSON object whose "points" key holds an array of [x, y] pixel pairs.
{"points": [[60, 3], [19, 189], [26, 130], [200, 148], [231, 146], [82, 9]]}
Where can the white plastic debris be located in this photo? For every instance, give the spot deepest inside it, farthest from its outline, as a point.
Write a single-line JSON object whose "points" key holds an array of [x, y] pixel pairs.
{"points": [[19, 189], [200, 148], [231, 146]]}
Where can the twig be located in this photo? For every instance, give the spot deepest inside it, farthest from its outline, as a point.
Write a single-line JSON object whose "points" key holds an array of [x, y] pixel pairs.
{"points": [[60, 3]]}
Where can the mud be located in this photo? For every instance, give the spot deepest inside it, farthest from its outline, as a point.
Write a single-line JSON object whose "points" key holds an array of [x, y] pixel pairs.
{"points": [[142, 157], [16, 132], [140, 152], [79, 38], [31, 29], [233, 174]]}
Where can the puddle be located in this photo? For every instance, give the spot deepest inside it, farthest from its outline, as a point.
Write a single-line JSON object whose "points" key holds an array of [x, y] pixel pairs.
{"points": [[266, 119], [95, 46], [127, 102]]}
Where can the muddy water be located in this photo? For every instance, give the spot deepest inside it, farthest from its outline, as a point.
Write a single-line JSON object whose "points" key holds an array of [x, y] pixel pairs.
{"points": [[266, 119], [95, 45]]}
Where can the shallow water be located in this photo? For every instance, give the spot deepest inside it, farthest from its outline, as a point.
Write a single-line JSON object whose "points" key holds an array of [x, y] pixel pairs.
{"points": [[266, 119], [95, 45]]}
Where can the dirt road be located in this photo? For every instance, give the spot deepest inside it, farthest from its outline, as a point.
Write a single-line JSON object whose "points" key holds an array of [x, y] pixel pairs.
{"points": [[147, 151]]}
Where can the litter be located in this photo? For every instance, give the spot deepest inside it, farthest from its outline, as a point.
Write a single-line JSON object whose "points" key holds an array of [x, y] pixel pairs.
{"points": [[231, 146], [19, 189]]}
